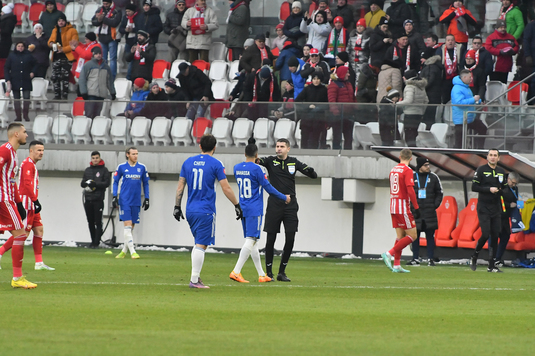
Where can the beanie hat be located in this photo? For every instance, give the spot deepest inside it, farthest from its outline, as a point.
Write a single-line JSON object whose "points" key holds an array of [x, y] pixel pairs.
{"points": [[499, 23], [260, 37], [317, 74], [290, 81], [410, 74], [420, 161], [248, 42], [143, 33], [293, 62], [139, 82], [281, 26], [341, 72], [182, 67], [383, 21], [50, 2], [392, 93], [96, 50], [171, 83], [180, 1], [8, 8], [153, 84], [408, 21], [131, 7], [267, 62], [379, 3], [265, 73], [339, 19], [344, 56], [61, 16], [296, 4], [361, 22], [91, 36], [471, 54], [147, 2]]}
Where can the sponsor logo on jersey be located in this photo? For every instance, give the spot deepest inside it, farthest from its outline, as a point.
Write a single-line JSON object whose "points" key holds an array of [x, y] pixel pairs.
{"points": [[132, 176]]}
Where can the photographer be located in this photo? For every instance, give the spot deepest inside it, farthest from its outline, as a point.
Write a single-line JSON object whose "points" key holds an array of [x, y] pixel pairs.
{"points": [[95, 182]]}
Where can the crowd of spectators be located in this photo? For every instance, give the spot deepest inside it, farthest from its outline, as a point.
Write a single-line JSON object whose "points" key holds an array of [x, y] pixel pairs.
{"points": [[325, 52]]}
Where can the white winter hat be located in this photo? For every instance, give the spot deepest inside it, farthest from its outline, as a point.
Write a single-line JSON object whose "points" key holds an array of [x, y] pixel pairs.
{"points": [[8, 8], [297, 4], [36, 26]]}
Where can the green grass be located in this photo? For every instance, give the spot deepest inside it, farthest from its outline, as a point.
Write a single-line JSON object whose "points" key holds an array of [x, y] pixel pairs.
{"points": [[94, 304]]}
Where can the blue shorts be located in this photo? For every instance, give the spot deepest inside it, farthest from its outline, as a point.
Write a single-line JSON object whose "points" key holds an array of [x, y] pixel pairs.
{"points": [[127, 213], [202, 227], [251, 226]]}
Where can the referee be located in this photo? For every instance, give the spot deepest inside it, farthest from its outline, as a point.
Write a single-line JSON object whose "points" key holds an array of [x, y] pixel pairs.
{"points": [[489, 180], [282, 169]]}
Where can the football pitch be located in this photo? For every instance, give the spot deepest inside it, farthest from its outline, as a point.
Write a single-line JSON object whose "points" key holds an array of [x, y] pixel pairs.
{"points": [[94, 304]]}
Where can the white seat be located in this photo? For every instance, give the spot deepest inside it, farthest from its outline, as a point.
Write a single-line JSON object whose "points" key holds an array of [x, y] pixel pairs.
{"points": [[159, 131], [161, 82], [39, 89], [222, 131], [218, 70], [81, 128], [263, 132], [234, 70], [297, 134], [73, 12], [441, 132], [61, 129], [140, 131], [242, 131], [181, 131], [174, 68], [120, 131], [494, 90], [100, 130], [218, 52], [285, 128], [363, 134], [90, 8], [122, 65], [117, 107], [374, 127], [123, 88], [220, 88], [492, 12], [329, 138], [4, 119], [42, 128]]}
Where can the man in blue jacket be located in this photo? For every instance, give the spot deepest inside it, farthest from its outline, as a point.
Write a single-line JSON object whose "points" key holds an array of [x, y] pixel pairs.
{"points": [[289, 50], [461, 94], [295, 65]]}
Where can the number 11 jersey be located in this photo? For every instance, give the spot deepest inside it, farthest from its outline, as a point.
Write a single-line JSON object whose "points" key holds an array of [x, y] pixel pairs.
{"points": [[201, 172]]}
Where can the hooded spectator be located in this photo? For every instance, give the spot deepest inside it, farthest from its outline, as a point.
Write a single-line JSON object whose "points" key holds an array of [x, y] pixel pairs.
{"points": [[288, 51], [148, 20], [261, 86], [49, 18], [318, 30]]}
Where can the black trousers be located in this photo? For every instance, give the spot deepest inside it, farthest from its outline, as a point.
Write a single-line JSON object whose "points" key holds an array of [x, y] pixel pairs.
{"points": [[491, 225], [93, 212], [430, 237], [310, 133], [26, 104], [505, 234], [342, 127], [479, 128]]}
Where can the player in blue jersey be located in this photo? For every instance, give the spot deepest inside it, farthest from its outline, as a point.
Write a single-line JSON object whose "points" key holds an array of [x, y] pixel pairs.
{"points": [[133, 175], [199, 173], [251, 179]]}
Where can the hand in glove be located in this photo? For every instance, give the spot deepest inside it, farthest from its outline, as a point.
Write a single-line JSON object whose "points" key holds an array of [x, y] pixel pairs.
{"points": [[115, 203], [22, 211], [177, 213], [239, 212], [416, 213], [113, 97], [37, 206], [146, 204]]}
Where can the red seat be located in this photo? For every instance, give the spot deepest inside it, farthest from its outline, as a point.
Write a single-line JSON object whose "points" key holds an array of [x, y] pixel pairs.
{"points": [[36, 9], [160, 69], [202, 65], [217, 109], [78, 107], [190, 3], [18, 10], [60, 7], [447, 218], [521, 242], [201, 125], [464, 233], [515, 95], [285, 11]]}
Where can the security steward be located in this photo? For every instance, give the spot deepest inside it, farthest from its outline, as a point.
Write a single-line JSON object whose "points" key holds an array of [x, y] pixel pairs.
{"points": [[95, 182], [489, 181], [282, 169], [429, 192]]}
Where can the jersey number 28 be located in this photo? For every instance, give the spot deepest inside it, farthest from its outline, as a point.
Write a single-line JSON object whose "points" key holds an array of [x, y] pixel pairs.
{"points": [[244, 186]]}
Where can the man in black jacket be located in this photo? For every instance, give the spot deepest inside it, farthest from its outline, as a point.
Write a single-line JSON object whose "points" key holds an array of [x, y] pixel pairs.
{"points": [[149, 20], [429, 193], [510, 198], [282, 169], [396, 15], [107, 19], [346, 12], [142, 56], [489, 181], [128, 31], [253, 56], [197, 87], [177, 33], [95, 182]]}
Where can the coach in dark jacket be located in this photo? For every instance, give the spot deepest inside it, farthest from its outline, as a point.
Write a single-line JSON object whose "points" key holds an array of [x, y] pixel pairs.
{"points": [[429, 192], [95, 182]]}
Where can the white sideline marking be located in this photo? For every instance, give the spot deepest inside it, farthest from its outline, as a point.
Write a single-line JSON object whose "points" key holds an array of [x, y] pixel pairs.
{"points": [[271, 285]]}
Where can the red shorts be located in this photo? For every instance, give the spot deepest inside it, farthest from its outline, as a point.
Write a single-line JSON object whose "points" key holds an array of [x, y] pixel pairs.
{"points": [[32, 220], [404, 221], [9, 217]]}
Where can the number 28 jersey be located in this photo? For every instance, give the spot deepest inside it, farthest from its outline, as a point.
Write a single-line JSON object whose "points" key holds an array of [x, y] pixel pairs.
{"points": [[201, 172], [251, 183], [401, 180]]}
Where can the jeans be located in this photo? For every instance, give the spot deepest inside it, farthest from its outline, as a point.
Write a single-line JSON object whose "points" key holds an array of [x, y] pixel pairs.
{"points": [[112, 49], [196, 110]]}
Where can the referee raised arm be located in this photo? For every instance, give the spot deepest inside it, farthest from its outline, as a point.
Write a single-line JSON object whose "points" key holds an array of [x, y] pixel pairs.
{"points": [[282, 169]]}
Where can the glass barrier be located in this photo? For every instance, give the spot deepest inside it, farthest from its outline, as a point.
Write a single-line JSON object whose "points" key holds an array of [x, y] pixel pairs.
{"points": [[319, 125]]}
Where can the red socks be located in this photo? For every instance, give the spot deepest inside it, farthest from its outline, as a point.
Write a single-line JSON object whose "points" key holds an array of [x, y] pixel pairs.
{"points": [[398, 247], [18, 254], [6, 246], [38, 248]]}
